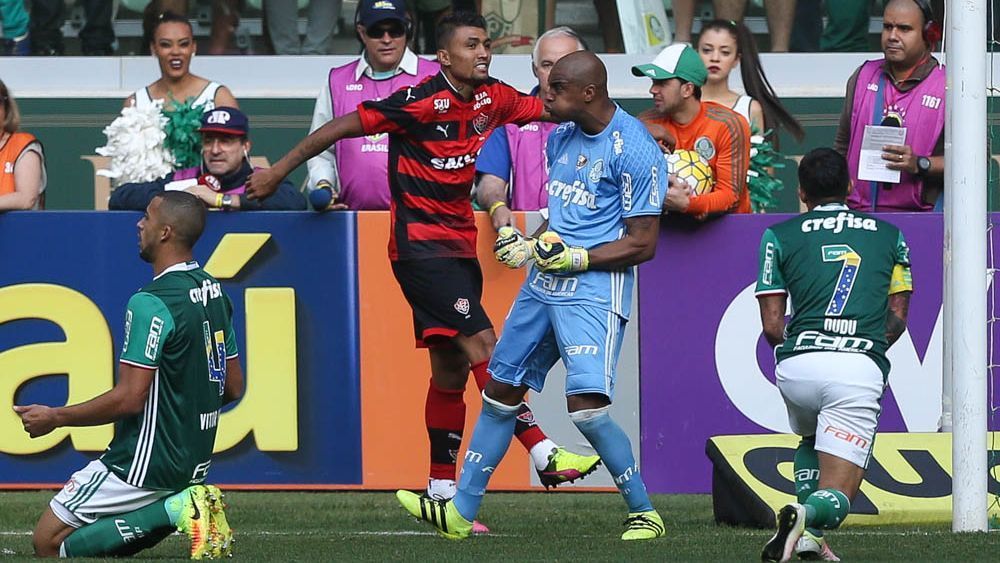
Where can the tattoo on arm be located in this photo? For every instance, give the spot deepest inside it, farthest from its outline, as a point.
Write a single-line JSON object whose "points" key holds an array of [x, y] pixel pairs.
{"points": [[895, 319]]}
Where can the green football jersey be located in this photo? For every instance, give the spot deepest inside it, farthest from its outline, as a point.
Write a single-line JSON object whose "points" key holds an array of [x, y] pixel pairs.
{"points": [[838, 268], [181, 326]]}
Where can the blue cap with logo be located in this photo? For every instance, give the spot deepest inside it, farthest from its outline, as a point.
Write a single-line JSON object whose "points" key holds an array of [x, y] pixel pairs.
{"points": [[229, 121], [370, 12]]}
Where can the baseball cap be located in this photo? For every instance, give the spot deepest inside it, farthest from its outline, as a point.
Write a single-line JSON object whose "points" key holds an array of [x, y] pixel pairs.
{"points": [[230, 121], [371, 12], [676, 61]]}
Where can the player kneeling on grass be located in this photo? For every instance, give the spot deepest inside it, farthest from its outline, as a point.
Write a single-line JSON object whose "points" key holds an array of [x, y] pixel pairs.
{"points": [[179, 365], [606, 179], [848, 275]]}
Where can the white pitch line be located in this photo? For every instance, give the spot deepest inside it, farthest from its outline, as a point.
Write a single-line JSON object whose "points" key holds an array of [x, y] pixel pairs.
{"points": [[413, 533], [314, 534]]}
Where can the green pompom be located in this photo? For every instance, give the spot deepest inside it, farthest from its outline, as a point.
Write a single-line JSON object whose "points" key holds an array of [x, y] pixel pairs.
{"points": [[183, 140], [763, 186]]}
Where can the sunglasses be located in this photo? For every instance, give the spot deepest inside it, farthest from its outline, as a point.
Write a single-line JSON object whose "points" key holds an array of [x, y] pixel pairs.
{"points": [[377, 32]]}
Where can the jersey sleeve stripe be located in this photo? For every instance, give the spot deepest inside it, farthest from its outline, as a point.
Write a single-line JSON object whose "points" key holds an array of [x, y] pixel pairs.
{"points": [[770, 292], [137, 364]]}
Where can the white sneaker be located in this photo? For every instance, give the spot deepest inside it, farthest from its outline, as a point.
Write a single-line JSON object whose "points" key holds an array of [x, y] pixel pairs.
{"points": [[811, 547]]}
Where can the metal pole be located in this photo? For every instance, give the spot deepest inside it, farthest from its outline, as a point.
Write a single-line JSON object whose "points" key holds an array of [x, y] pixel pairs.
{"points": [[965, 257]]}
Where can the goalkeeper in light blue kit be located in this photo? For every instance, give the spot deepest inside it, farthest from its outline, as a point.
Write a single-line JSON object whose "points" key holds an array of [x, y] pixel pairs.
{"points": [[606, 178]]}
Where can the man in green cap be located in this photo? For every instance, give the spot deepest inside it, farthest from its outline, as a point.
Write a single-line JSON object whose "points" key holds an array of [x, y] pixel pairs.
{"points": [[720, 136]]}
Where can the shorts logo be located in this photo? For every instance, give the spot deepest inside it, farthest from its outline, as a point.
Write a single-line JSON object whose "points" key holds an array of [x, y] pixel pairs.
{"points": [[480, 123], [584, 349], [704, 147], [70, 486], [849, 437], [462, 305]]}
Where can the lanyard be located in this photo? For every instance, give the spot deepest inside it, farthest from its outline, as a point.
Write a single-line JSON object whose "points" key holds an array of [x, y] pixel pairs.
{"points": [[877, 109]]}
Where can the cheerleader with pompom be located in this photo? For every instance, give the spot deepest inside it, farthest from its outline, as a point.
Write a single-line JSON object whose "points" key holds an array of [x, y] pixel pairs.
{"points": [[167, 112]]}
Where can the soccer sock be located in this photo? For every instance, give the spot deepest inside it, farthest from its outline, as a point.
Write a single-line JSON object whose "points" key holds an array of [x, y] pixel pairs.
{"points": [[444, 414], [806, 467], [529, 433], [526, 430], [826, 509], [615, 449], [541, 452], [489, 443], [126, 534]]}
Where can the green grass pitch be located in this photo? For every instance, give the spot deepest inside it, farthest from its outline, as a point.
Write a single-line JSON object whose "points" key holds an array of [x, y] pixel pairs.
{"points": [[576, 527]]}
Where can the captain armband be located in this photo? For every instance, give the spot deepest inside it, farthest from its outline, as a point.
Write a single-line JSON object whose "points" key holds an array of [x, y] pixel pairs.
{"points": [[902, 279]]}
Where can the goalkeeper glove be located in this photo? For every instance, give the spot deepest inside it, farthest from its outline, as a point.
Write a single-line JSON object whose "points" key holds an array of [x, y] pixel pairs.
{"points": [[511, 248], [552, 255]]}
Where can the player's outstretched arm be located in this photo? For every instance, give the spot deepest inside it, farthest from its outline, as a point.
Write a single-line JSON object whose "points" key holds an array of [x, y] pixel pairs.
{"points": [[895, 318], [772, 316], [126, 398], [263, 183], [637, 246], [492, 196]]}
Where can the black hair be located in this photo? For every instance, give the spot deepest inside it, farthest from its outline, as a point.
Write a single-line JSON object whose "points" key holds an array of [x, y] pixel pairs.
{"points": [[185, 213], [447, 26], [823, 175], [150, 27], [755, 81]]}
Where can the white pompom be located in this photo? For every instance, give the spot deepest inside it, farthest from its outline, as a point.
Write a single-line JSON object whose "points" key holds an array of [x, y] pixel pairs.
{"points": [[135, 145]]}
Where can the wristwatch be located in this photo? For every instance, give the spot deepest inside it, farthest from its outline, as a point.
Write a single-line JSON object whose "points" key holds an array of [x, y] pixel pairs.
{"points": [[923, 166], [227, 202]]}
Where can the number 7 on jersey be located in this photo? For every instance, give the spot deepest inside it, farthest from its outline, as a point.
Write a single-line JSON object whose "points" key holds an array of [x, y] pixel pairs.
{"points": [[848, 273]]}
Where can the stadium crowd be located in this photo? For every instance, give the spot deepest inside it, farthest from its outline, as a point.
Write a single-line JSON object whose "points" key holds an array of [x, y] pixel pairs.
{"points": [[391, 130]]}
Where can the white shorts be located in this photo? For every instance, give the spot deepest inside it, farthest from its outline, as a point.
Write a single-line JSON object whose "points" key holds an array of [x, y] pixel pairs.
{"points": [[93, 492], [834, 395]]}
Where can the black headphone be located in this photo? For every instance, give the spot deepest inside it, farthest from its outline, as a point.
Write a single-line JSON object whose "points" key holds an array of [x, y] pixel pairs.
{"points": [[932, 29], [407, 23]]}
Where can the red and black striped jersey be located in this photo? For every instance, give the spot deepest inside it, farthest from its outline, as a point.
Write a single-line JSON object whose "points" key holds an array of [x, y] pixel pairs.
{"points": [[434, 139]]}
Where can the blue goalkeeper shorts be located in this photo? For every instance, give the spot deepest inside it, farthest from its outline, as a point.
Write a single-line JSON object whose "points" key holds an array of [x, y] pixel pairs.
{"points": [[587, 338]]}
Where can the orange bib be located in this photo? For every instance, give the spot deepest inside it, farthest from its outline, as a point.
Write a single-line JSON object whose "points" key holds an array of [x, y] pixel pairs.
{"points": [[8, 156]]}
